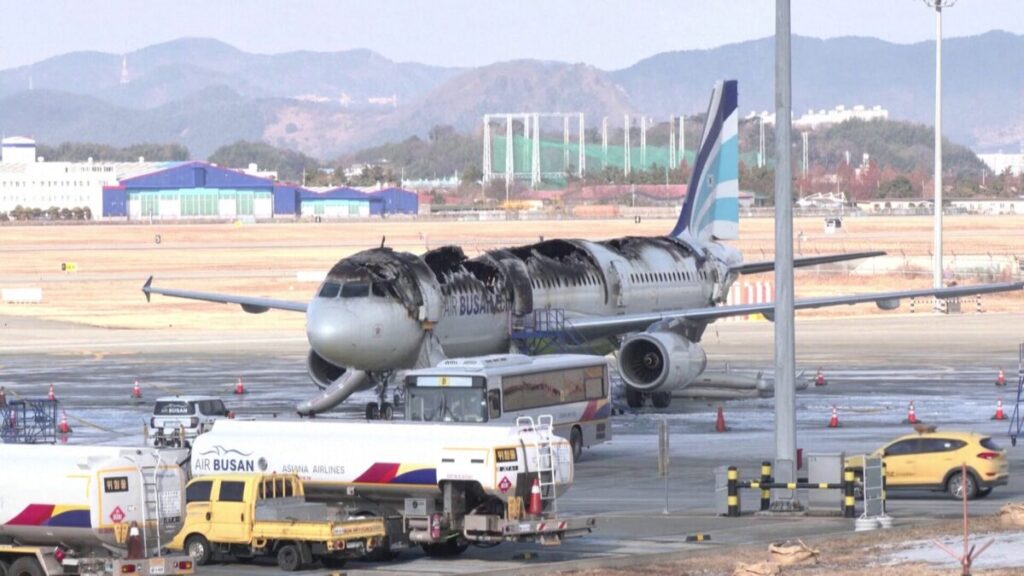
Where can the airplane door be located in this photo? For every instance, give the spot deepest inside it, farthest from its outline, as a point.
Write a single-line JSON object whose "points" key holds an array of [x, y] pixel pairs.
{"points": [[615, 294]]}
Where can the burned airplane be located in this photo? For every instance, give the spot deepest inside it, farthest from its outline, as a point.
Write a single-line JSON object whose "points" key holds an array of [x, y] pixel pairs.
{"points": [[649, 299]]}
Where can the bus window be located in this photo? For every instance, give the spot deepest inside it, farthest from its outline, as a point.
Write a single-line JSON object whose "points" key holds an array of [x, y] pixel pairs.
{"points": [[446, 405], [494, 403]]}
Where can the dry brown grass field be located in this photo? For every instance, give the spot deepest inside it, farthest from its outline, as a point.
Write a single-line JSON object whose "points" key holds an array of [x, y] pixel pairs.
{"points": [[262, 259]]}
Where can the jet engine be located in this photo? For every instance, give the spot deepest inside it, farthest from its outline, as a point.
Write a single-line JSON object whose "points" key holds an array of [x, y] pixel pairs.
{"points": [[322, 372], [660, 361]]}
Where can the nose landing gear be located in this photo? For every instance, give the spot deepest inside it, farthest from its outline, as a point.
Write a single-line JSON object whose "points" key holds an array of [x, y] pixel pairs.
{"points": [[382, 409]]}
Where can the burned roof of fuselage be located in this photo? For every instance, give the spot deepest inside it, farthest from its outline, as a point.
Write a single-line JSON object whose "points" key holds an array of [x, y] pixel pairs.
{"points": [[396, 272], [630, 247]]}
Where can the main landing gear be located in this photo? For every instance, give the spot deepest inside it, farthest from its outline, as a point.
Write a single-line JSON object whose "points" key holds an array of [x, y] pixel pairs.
{"points": [[636, 398]]}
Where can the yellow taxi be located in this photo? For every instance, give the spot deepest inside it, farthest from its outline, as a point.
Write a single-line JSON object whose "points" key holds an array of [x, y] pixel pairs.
{"points": [[932, 461]]}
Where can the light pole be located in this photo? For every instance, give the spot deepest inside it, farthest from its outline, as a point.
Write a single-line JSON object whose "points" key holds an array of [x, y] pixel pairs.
{"points": [[938, 5]]}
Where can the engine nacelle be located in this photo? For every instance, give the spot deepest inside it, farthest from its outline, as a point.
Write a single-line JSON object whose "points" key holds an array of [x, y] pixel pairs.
{"points": [[660, 361], [322, 372]]}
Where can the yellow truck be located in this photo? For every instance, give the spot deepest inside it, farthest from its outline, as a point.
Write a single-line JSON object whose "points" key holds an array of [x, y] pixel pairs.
{"points": [[254, 514]]}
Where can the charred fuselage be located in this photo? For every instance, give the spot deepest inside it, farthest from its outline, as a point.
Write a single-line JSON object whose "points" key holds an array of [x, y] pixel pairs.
{"points": [[381, 310]]}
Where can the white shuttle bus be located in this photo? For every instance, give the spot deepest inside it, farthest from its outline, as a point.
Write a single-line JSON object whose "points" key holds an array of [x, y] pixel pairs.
{"points": [[497, 389]]}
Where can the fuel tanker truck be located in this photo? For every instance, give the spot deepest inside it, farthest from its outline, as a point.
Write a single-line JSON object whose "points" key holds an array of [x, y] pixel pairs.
{"points": [[441, 486], [89, 510]]}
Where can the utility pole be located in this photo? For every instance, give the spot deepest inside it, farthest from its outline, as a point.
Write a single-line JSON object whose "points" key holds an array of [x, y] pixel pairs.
{"points": [[785, 340], [938, 5]]}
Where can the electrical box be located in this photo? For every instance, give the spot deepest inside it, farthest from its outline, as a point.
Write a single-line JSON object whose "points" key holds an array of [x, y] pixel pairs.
{"points": [[827, 469]]}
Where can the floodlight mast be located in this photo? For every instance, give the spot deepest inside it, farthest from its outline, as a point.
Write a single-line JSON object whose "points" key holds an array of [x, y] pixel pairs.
{"points": [[938, 6]]}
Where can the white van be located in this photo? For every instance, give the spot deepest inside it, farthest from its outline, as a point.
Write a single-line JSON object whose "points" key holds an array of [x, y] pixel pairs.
{"points": [[177, 420]]}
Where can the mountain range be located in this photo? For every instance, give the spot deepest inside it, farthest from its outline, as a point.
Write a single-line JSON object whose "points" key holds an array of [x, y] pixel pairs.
{"points": [[203, 93]]}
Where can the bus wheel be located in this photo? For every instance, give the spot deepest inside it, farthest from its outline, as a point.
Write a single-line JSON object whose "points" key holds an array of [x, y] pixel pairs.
{"points": [[634, 398], [576, 442], [661, 399]]}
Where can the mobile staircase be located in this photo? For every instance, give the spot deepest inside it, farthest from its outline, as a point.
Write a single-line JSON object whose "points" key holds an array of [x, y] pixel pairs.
{"points": [[545, 331], [28, 421]]}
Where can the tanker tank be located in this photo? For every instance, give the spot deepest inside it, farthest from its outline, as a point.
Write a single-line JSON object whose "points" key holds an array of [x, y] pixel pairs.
{"points": [[78, 496], [339, 458]]}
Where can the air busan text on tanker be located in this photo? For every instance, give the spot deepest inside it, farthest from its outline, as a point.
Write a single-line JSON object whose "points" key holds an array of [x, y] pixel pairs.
{"points": [[647, 298]]}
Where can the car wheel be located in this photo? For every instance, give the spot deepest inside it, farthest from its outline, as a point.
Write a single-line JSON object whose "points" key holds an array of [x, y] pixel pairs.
{"points": [[198, 548], [288, 558], [576, 443], [958, 484]]}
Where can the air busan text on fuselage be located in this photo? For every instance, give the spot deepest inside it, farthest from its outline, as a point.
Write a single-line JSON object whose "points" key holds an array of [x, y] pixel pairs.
{"points": [[648, 298]]}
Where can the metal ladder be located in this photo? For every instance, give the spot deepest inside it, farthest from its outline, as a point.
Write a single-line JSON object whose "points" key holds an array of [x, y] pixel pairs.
{"points": [[1017, 420], [547, 469]]}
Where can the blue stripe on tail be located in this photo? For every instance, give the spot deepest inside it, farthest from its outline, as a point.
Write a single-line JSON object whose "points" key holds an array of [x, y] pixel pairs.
{"points": [[711, 209]]}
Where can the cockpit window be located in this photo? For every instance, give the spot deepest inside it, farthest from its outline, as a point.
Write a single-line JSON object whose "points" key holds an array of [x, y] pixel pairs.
{"points": [[377, 290], [329, 290], [355, 290]]}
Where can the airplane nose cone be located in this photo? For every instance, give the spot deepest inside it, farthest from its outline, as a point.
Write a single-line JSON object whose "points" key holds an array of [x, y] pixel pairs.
{"points": [[330, 331], [364, 335]]}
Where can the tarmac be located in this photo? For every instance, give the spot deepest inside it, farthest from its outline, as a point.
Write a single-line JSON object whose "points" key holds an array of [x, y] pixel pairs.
{"points": [[874, 365]]}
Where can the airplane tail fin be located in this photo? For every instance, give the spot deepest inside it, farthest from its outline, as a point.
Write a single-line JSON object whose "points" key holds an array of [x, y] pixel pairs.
{"points": [[711, 209]]}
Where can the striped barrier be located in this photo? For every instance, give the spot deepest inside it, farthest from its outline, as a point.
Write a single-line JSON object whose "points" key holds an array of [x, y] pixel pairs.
{"points": [[766, 484], [750, 293]]}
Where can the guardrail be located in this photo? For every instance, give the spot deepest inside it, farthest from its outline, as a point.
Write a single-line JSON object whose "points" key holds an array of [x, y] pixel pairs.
{"points": [[766, 483]]}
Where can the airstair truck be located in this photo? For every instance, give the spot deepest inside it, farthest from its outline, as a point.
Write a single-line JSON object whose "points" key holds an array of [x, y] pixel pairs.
{"points": [[89, 510], [447, 485]]}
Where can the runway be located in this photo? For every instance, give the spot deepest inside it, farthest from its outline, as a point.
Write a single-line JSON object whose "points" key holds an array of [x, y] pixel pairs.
{"points": [[875, 365]]}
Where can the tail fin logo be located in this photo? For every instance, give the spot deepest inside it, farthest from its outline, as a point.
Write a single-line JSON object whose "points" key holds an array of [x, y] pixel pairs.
{"points": [[711, 209]]}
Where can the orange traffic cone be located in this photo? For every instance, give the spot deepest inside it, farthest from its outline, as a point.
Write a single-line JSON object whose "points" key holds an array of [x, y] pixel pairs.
{"points": [[63, 427], [535, 507], [999, 410], [136, 391], [819, 378], [911, 415], [834, 421], [239, 387], [1001, 378], [51, 395], [720, 421]]}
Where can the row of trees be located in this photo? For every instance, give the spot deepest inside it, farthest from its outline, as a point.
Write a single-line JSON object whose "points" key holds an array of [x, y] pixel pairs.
{"points": [[20, 213], [82, 151], [876, 159]]}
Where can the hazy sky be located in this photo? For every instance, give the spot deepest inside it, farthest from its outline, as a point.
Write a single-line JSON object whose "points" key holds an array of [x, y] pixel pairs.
{"points": [[606, 33]]}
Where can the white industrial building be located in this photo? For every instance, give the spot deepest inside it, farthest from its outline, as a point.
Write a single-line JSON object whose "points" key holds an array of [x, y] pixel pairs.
{"points": [[30, 182], [999, 163], [815, 118]]}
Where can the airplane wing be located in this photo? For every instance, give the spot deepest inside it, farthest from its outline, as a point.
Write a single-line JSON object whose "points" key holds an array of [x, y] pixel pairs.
{"points": [[768, 266], [610, 325], [248, 303]]}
